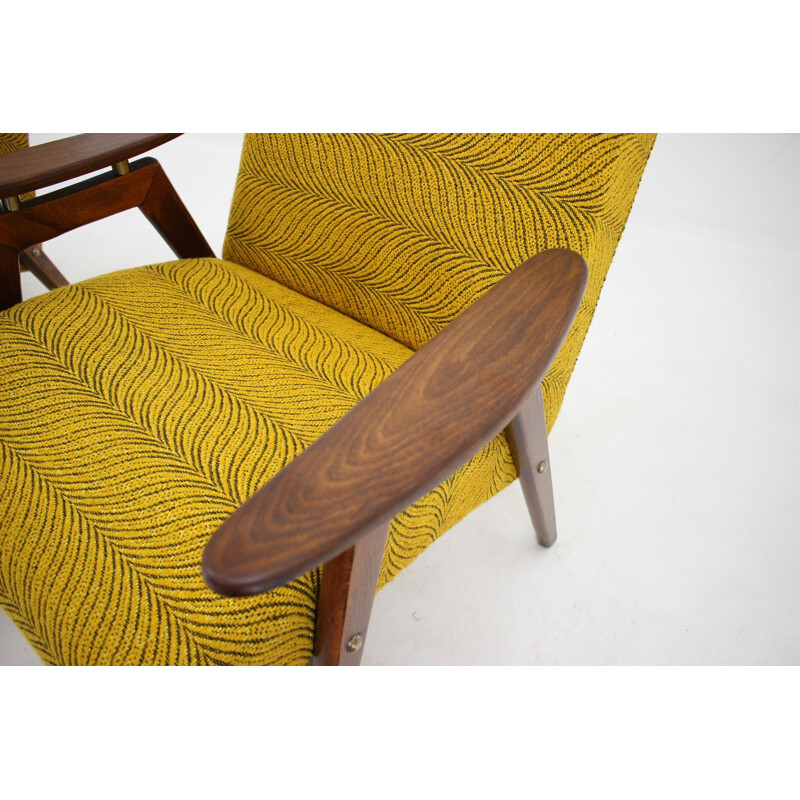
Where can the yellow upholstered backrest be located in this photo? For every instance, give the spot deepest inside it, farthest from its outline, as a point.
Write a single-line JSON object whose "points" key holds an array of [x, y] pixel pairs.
{"points": [[9, 142], [404, 231]]}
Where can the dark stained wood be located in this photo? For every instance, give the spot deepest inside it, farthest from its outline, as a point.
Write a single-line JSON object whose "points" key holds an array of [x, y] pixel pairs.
{"points": [[420, 425], [168, 215], [10, 287], [37, 261], [346, 595], [53, 162], [96, 198], [527, 436], [52, 214]]}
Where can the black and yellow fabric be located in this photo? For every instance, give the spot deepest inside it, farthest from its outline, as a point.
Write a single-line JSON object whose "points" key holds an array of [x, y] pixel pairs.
{"points": [[10, 142], [404, 231], [137, 411]]}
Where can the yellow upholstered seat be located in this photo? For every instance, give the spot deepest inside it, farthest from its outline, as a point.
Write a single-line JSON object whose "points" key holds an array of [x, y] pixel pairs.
{"points": [[140, 409], [137, 411]]}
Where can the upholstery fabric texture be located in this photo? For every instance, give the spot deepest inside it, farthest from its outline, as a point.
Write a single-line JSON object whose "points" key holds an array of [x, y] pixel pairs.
{"points": [[10, 142], [139, 409], [404, 231]]}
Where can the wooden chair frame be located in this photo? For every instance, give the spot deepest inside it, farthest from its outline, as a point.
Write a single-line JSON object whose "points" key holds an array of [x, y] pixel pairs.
{"points": [[36, 261], [334, 503]]}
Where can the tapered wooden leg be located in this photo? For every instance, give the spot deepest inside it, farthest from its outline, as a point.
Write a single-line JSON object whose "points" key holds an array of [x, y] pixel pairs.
{"points": [[346, 595], [166, 212], [10, 287], [527, 436], [34, 259]]}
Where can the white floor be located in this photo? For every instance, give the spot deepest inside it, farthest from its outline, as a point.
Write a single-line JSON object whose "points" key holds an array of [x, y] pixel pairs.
{"points": [[675, 456]]}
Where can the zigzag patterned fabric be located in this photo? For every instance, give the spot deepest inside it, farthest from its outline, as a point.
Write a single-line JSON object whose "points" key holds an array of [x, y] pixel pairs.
{"points": [[137, 411], [404, 231], [10, 142]]}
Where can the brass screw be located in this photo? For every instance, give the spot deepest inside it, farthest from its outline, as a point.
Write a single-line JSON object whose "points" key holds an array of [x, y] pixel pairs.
{"points": [[542, 467], [355, 643]]}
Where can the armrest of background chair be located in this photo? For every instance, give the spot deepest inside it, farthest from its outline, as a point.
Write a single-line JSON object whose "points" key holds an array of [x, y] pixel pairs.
{"points": [[414, 430], [53, 162], [145, 186]]}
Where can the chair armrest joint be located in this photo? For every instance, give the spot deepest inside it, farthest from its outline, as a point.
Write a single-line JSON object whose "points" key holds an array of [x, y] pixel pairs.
{"points": [[53, 162]]}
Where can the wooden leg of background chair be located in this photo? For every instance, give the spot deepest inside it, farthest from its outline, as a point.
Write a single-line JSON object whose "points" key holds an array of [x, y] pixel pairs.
{"points": [[166, 212], [527, 436], [346, 595], [10, 287], [42, 267]]}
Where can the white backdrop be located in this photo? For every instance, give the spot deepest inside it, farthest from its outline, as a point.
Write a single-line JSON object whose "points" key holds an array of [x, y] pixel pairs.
{"points": [[675, 456]]}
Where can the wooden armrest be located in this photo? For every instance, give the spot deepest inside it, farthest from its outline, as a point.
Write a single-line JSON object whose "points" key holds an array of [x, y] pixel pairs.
{"points": [[414, 430], [45, 164]]}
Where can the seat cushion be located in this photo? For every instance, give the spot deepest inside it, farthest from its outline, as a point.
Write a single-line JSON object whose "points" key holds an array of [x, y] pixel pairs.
{"points": [[137, 411]]}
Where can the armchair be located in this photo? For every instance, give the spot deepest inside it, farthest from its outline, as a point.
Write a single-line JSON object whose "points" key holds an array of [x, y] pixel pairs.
{"points": [[219, 461]]}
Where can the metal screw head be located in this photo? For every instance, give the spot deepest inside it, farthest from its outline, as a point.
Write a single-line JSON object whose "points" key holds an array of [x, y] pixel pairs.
{"points": [[542, 467], [355, 643], [36, 252]]}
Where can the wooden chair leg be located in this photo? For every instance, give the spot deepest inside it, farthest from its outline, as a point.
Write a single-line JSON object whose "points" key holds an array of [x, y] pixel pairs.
{"points": [[166, 212], [145, 185], [527, 436], [34, 259], [10, 286], [346, 595]]}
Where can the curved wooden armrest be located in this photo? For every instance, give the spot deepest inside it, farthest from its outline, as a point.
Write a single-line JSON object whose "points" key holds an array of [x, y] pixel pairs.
{"points": [[45, 164], [414, 430]]}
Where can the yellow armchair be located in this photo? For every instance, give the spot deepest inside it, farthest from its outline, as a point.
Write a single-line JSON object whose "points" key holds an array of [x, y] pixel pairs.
{"points": [[218, 461]]}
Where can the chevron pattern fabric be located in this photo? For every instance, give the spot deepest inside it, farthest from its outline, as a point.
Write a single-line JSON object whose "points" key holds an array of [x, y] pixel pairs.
{"points": [[404, 231], [137, 411], [10, 142]]}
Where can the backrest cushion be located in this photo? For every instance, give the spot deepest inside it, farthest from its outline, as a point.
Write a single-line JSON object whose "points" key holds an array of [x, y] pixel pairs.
{"points": [[404, 231]]}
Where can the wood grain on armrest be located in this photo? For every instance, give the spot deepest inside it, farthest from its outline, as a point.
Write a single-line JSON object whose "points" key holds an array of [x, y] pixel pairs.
{"points": [[414, 430], [45, 164]]}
